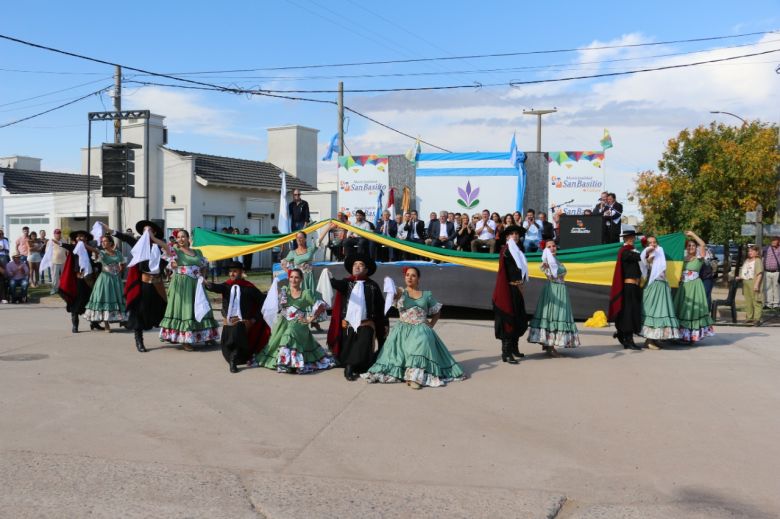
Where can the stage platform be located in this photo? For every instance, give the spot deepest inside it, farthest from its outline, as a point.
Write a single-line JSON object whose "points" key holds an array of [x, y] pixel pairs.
{"points": [[455, 285]]}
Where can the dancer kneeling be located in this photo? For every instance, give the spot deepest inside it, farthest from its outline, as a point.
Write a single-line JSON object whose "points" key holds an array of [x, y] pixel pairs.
{"points": [[244, 332], [553, 323], [292, 347], [659, 321], [413, 351]]}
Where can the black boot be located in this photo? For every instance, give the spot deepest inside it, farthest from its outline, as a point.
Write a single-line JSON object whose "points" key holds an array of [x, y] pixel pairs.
{"points": [[232, 362], [348, 374], [139, 341], [628, 343], [506, 353], [74, 319], [515, 349], [95, 325], [621, 340]]}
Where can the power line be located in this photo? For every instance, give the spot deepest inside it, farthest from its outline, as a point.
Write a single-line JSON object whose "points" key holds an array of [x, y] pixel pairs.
{"points": [[52, 93], [482, 56], [97, 92]]}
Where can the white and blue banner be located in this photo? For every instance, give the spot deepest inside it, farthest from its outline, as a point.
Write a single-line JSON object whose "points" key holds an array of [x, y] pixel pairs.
{"points": [[470, 182]]}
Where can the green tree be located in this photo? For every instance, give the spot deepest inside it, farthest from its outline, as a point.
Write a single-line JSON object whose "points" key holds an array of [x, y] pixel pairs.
{"points": [[708, 178]]}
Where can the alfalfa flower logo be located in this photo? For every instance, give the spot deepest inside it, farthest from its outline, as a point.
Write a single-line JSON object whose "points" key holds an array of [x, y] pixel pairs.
{"points": [[468, 198]]}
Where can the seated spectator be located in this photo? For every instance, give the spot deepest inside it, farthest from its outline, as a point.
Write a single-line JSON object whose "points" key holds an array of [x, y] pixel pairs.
{"points": [[465, 234], [388, 228], [441, 232], [455, 221], [506, 221], [335, 236], [533, 231], [402, 221], [433, 217], [18, 274], [485, 230], [355, 244], [587, 212], [415, 232]]}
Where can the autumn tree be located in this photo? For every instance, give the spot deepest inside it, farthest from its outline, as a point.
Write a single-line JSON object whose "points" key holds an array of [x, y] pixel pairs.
{"points": [[708, 178]]}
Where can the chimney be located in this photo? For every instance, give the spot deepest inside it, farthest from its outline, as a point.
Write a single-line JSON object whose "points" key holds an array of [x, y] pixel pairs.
{"points": [[294, 149]]}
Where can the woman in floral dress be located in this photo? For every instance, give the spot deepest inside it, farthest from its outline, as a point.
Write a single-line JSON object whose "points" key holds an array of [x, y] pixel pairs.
{"points": [[690, 301], [553, 323], [301, 258], [292, 347], [107, 301], [180, 325], [413, 352]]}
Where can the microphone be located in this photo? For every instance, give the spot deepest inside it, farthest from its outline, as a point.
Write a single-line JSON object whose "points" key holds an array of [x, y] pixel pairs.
{"points": [[564, 203]]}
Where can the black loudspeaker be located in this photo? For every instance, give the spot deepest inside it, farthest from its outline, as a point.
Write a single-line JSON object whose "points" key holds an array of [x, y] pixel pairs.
{"points": [[579, 231], [158, 222]]}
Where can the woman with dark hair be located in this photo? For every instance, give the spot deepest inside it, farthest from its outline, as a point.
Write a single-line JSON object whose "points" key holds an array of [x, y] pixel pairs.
{"points": [[34, 258], [500, 238], [292, 347], [517, 218], [301, 257], [186, 293], [413, 352], [690, 301], [107, 301]]}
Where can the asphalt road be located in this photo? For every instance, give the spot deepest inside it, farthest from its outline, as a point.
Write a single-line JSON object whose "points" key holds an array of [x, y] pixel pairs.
{"points": [[91, 428]]}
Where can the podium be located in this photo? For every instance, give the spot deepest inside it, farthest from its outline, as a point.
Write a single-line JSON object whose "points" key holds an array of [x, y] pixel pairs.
{"points": [[579, 231]]}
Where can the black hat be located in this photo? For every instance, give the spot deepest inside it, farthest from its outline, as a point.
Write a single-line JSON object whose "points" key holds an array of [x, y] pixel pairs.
{"points": [[509, 229], [352, 258], [158, 232], [628, 232], [75, 234], [235, 265]]}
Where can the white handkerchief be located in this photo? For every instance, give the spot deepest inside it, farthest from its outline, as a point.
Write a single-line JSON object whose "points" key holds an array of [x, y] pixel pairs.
{"points": [[549, 258], [271, 304], [202, 306], [324, 288], [97, 231], [81, 253], [46, 261], [519, 257], [389, 290]]}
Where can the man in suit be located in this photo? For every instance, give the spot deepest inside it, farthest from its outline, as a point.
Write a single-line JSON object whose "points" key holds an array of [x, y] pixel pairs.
{"points": [[415, 231], [611, 218], [389, 228], [441, 233]]}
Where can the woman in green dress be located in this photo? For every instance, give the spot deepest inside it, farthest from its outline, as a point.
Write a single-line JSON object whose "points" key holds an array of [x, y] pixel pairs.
{"points": [[185, 291], [690, 301], [659, 321], [301, 258], [413, 352], [553, 322], [107, 301], [292, 347]]}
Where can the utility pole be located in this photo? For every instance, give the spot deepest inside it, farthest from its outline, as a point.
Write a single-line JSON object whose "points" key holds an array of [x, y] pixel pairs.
{"points": [[341, 118], [539, 114], [118, 134]]}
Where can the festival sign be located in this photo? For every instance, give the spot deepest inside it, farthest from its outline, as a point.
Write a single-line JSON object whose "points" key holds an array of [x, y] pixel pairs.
{"points": [[576, 179], [360, 179]]}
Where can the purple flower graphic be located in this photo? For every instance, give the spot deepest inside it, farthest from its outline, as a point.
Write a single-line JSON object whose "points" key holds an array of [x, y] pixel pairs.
{"points": [[468, 198]]}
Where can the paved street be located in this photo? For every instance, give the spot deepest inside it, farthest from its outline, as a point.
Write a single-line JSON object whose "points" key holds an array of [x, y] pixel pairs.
{"points": [[92, 428]]}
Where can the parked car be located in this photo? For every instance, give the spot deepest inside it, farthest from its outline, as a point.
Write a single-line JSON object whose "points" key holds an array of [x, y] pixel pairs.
{"points": [[717, 250]]}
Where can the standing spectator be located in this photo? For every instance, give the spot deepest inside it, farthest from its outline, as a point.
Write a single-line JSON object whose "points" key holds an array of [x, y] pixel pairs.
{"points": [[247, 257], [42, 237], [465, 234], [772, 273], [18, 274], [3, 299], [533, 231], [5, 249], [611, 218], [58, 256], [354, 242], [299, 211], [707, 272], [601, 206], [35, 246], [276, 252], [752, 274], [23, 243], [485, 230], [441, 232]]}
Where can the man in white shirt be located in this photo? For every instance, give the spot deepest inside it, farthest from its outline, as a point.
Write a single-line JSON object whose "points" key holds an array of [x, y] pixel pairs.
{"points": [[355, 244], [486, 233], [402, 221], [533, 231]]}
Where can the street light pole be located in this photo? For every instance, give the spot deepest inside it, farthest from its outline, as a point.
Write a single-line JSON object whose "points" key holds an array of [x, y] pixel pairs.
{"points": [[539, 114], [744, 122]]}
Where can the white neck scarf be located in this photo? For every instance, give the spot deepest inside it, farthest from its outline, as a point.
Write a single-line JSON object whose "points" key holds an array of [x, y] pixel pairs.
{"points": [[357, 303], [234, 307], [84, 264], [658, 268], [552, 262], [519, 257], [142, 251]]}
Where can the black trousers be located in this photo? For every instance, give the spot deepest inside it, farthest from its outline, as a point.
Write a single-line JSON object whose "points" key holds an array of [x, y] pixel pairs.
{"points": [[357, 349], [629, 320]]}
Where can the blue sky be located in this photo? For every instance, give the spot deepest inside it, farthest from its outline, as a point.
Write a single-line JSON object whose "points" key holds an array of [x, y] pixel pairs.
{"points": [[641, 111]]}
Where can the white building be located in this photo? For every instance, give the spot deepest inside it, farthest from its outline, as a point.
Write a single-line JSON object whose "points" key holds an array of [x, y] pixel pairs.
{"points": [[185, 189]]}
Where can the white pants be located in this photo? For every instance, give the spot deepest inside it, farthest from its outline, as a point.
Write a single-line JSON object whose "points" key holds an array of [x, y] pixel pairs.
{"points": [[56, 273], [771, 289]]}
